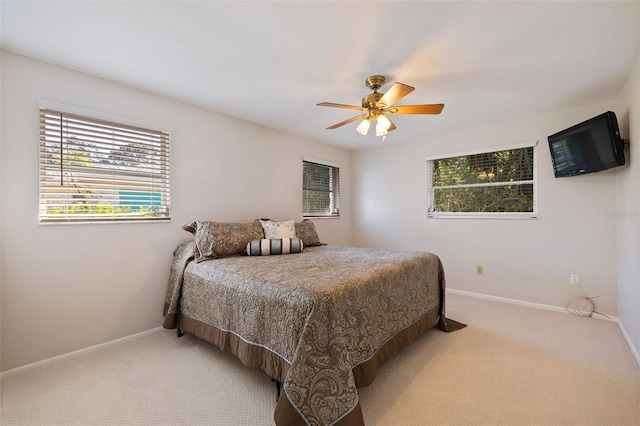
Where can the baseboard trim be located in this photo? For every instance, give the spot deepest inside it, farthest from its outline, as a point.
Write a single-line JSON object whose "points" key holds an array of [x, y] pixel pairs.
{"points": [[75, 354], [560, 309], [632, 347], [507, 300]]}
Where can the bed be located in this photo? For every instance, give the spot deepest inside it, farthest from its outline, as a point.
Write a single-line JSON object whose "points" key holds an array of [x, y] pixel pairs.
{"points": [[320, 322]]}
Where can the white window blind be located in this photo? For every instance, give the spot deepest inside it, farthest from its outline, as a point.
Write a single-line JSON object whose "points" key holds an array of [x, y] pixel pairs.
{"points": [[486, 184], [93, 170], [320, 190]]}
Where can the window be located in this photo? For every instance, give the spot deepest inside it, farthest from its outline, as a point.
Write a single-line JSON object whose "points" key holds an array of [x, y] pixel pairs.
{"points": [[485, 184], [320, 189], [94, 170]]}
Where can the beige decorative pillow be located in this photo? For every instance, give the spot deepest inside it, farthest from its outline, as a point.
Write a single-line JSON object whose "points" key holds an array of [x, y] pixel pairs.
{"points": [[273, 229], [306, 231], [213, 240]]}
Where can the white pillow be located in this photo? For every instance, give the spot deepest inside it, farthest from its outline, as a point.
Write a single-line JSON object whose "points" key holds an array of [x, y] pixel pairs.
{"points": [[273, 229]]}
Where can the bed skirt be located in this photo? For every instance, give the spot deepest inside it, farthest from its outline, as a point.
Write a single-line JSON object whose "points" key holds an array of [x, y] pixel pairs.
{"points": [[276, 367]]}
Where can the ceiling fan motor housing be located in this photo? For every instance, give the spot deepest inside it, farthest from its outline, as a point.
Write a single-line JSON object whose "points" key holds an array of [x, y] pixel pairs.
{"points": [[371, 101], [373, 82]]}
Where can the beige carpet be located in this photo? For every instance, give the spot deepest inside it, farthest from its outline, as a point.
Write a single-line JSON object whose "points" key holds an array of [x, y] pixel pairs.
{"points": [[512, 365]]}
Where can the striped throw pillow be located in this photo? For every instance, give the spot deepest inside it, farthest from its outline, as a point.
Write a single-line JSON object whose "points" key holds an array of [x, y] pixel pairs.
{"points": [[267, 247]]}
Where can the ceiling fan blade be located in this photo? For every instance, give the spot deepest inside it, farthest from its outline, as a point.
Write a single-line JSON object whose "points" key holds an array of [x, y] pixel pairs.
{"points": [[396, 92], [331, 104], [416, 109], [392, 127], [350, 120]]}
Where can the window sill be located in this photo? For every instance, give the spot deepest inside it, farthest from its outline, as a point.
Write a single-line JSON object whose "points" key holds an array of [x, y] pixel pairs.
{"points": [[482, 216], [320, 217], [100, 222]]}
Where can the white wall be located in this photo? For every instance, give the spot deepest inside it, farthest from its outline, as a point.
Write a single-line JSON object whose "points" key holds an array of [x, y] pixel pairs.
{"points": [[628, 208], [67, 287], [528, 260]]}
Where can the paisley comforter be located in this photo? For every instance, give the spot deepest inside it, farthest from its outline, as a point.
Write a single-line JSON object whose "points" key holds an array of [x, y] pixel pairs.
{"points": [[321, 322]]}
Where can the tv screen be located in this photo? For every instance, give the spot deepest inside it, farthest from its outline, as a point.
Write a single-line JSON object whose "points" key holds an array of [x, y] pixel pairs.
{"points": [[588, 147]]}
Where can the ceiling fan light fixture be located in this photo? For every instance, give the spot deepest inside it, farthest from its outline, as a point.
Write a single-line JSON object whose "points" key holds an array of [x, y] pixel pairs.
{"points": [[363, 127], [382, 125]]}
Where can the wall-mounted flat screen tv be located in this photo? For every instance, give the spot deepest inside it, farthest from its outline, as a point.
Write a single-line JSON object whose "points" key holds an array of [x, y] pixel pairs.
{"points": [[588, 147]]}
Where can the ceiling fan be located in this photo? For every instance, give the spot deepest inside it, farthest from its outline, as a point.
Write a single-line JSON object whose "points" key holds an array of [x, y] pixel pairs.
{"points": [[377, 105]]}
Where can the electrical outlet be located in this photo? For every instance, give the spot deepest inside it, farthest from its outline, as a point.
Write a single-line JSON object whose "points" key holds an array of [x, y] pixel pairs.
{"points": [[574, 279], [479, 270]]}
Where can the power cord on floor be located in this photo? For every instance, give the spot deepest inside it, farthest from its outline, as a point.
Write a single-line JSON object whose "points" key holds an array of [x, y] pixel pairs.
{"points": [[583, 306]]}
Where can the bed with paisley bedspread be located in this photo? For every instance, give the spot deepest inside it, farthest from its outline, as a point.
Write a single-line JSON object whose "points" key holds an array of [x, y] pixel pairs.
{"points": [[320, 322]]}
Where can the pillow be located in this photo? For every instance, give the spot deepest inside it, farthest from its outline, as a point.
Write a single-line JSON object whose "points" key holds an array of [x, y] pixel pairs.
{"points": [[191, 227], [268, 246], [213, 240], [306, 231], [273, 229]]}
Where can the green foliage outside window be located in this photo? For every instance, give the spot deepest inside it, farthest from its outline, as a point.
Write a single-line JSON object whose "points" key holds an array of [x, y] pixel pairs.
{"points": [[497, 182], [320, 190], [101, 209]]}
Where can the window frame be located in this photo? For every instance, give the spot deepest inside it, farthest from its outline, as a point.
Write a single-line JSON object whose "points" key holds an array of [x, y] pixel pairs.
{"points": [[483, 215], [158, 178], [334, 191]]}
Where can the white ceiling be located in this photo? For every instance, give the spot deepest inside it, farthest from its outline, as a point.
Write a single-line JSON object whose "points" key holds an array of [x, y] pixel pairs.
{"points": [[270, 62]]}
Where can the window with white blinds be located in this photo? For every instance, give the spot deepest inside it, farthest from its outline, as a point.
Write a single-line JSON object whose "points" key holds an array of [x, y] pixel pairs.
{"points": [[320, 189], [485, 184], [99, 171]]}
